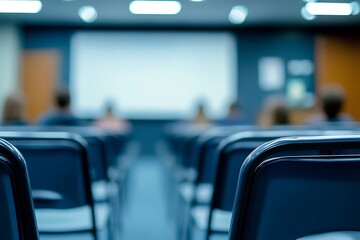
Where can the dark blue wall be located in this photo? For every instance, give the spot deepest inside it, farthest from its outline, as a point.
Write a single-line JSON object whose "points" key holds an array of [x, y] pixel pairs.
{"points": [[50, 38], [252, 45]]}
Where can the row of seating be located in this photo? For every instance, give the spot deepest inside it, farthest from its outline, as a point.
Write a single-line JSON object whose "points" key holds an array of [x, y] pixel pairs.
{"points": [[74, 185], [223, 192]]}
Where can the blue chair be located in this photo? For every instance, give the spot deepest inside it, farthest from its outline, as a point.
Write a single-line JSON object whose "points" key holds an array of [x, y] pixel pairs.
{"points": [[97, 156], [204, 160], [200, 148], [294, 187], [98, 152], [17, 219], [61, 185], [215, 219], [199, 189]]}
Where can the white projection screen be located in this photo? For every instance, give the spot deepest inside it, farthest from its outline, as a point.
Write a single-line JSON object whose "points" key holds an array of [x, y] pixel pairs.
{"points": [[152, 75]]}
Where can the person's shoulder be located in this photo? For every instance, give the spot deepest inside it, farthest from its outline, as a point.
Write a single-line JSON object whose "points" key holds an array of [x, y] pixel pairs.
{"points": [[58, 118], [46, 117], [344, 117]]}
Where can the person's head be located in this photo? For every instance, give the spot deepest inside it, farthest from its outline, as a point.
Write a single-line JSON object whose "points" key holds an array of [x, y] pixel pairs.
{"points": [[275, 112], [109, 109], [62, 99], [200, 114], [13, 108], [332, 100], [200, 109], [280, 115], [234, 109]]}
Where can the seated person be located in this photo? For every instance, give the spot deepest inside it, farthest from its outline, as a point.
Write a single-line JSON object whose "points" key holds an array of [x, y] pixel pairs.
{"points": [[61, 114], [275, 112], [110, 121], [332, 100], [201, 117], [13, 111], [234, 116]]}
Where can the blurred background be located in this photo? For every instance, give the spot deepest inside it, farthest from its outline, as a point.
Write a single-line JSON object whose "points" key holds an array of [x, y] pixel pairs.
{"points": [[153, 63], [156, 66]]}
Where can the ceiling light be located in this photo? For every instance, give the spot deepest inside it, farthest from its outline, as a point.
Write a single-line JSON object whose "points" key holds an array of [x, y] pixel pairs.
{"points": [[306, 15], [329, 8], [238, 14], [355, 8], [198, 0], [17, 6], [155, 7], [88, 14]]}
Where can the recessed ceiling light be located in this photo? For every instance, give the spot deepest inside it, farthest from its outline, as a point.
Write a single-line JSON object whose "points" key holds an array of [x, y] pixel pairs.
{"points": [[198, 0], [23, 6], [88, 14], [238, 14], [329, 8], [155, 7]]}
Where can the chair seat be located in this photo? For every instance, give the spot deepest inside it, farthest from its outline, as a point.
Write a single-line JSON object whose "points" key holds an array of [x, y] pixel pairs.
{"points": [[72, 220], [220, 219], [224, 236], [100, 191], [346, 235], [72, 236], [102, 235]]}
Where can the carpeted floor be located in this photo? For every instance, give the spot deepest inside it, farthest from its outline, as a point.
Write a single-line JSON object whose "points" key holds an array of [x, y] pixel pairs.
{"points": [[145, 212]]}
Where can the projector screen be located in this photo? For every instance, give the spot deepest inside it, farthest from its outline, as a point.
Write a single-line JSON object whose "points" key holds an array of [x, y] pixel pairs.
{"points": [[152, 75]]}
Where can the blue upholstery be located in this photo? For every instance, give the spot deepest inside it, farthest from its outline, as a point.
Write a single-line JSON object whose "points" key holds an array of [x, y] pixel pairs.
{"points": [[103, 150], [341, 235], [59, 172], [232, 152], [17, 219], [293, 196], [104, 147], [203, 158], [204, 150]]}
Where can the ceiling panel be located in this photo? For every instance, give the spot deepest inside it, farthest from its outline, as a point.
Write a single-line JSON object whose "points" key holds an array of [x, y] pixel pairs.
{"points": [[206, 13]]}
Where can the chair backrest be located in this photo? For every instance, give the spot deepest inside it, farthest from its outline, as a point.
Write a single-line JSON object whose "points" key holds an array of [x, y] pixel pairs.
{"points": [[205, 148], [227, 162], [98, 156], [181, 138], [291, 196], [17, 219], [122, 137], [58, 167], [94, 137], [233, 151]]}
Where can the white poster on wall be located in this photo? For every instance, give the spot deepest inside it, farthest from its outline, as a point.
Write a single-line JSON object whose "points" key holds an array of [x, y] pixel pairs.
{"points": [[271, 73]]}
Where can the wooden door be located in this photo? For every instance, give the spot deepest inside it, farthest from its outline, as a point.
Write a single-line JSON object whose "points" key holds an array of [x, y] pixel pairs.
{"points": [[40, 71], [338, 62]]}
